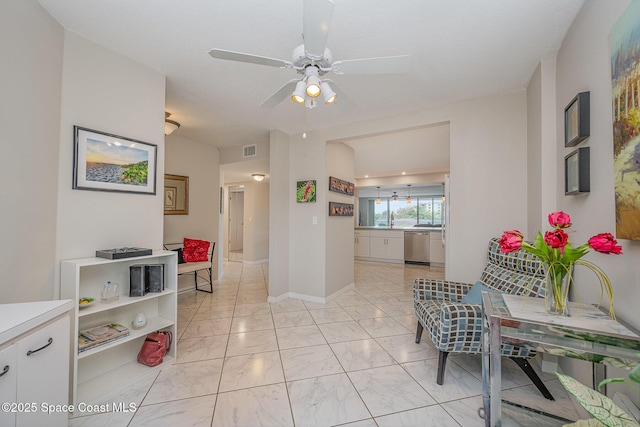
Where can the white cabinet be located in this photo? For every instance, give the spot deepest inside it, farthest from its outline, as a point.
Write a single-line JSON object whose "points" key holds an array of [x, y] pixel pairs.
{"points": [[361, 243], [34, 363], [386, 245], [104, 368], [436, 248], [8, 382]]}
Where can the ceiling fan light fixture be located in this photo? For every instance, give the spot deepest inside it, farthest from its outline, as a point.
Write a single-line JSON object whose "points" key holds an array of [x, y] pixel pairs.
{"points": [[298, 93], [328, 93], [313, 86]]}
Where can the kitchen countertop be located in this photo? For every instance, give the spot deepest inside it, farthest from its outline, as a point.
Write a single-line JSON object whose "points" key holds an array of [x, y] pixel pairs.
{"points": [[401, 228]]}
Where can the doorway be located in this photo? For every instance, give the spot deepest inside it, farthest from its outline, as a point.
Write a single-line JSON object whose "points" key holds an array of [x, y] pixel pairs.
{"points": [[236, 223]]}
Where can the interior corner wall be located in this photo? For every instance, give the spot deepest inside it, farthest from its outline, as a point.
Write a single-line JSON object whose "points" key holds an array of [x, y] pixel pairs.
{"points": [[198, 161], [339, 251], [280, 194], [256, 222], [107, 92], [31, 43], [541, 146]]}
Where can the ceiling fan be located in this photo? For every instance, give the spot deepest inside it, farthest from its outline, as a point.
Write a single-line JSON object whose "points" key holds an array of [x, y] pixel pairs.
{"points": [[312, 60]]}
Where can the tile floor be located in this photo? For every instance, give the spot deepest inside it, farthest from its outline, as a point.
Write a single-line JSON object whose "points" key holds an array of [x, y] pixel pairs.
{"points": [[352, 362]]}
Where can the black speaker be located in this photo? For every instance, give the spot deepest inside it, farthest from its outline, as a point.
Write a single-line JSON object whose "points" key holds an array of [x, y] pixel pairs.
{"points": [[137, 280], [155, 277]]}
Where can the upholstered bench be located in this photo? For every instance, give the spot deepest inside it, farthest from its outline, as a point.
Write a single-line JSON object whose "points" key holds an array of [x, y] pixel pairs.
{"points": [[451, 312], [202, 263]]}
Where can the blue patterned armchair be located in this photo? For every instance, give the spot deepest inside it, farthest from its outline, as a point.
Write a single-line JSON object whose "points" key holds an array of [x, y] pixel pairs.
{"points": [[457, 327]]}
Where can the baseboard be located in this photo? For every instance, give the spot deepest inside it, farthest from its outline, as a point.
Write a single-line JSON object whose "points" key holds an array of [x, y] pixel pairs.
{"points": [[309, 298], [260, 261]]}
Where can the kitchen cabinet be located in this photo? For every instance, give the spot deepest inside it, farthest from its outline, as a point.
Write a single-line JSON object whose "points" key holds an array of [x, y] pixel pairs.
{"points": [[436, 248], [386, 245], [361, 243], [106, 367], [34, 362]]}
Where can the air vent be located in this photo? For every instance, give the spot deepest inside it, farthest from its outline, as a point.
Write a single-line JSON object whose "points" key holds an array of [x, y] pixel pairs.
{"points": [[249, 151]]}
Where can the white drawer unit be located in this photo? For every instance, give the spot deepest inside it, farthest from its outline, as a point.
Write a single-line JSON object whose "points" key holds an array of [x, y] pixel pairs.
{"points": [[101, 369], [34, 363]]}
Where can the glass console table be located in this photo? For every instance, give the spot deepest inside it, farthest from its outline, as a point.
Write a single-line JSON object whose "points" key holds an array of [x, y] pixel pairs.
{"points": [[588, 334]]}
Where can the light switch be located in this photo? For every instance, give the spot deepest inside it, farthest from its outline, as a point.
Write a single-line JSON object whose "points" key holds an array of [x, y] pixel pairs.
{"points": [[314, 220]]}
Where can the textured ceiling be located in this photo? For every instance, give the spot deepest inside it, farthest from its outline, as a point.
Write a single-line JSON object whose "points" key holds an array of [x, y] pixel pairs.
{"points": [[460, 49]]}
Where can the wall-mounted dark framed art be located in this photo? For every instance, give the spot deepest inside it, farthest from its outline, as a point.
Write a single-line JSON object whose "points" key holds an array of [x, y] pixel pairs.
{"points": [[577, 120], [576, 172]]}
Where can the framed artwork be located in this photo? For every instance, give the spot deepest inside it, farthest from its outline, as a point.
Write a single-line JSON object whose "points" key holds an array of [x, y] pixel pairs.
{"points": [[170, 198], [340, 209], [306, 191], [576, 120], [107, 162], [340, 186], [176, 195], [624, 39], [576, 172]]}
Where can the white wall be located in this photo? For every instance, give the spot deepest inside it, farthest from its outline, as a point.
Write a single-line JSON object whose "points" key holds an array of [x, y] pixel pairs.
{"points": [[541, 147], [199, 162], [256, 222], [279, 213], [107, 92], [583, 64], [339, 267], [307, 240], [31, 43]]}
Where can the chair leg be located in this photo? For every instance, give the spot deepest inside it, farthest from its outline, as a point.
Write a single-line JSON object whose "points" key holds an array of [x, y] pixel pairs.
{"points": [[533, 376], [442, 362], [419, 333]]}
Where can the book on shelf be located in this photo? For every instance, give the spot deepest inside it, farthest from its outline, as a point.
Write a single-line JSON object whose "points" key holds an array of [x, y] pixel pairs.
{"points": [[101, 335]]}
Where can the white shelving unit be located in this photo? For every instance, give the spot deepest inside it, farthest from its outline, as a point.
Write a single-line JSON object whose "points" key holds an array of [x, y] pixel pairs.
{"points": [[97, 371]]}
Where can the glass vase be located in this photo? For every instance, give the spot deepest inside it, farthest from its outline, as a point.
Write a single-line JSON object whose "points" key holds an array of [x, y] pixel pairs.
{"points": [[557, 289]]}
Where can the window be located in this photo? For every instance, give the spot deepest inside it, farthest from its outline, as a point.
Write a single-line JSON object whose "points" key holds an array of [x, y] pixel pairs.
{"points": [[422, 211]]}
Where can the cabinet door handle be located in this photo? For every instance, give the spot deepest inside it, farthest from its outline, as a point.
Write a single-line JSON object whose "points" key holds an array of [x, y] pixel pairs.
{"points": [[5, 370], [30, 352]]}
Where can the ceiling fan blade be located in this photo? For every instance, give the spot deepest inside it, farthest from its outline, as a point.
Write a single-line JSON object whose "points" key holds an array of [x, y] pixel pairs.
{"points": [[385, 65], [252, 59], [281, 94], [316, 23]]}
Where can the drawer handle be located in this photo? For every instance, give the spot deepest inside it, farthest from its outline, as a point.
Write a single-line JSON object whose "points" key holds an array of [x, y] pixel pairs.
{"points": [[30, 352], [5, 370]]}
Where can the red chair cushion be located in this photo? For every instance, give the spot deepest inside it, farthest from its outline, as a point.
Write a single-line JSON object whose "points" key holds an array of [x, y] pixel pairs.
{"points": [[195, 250]]}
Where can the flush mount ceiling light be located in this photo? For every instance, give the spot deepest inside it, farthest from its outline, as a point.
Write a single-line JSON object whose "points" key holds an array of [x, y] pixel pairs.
{"points": [[409, 198], [378, 201], [257, 176], [169, 125]]}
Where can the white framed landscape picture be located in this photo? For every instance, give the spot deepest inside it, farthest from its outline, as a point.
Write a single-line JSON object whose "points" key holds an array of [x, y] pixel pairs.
{"points": [[106, 162]]}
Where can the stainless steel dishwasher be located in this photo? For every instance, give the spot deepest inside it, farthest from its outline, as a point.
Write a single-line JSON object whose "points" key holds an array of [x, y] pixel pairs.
{"points": [[416, 247]]}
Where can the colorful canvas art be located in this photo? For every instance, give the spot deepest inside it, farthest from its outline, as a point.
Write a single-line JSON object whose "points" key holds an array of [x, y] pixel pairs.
{"points": [[624, 42], [306, 191]]}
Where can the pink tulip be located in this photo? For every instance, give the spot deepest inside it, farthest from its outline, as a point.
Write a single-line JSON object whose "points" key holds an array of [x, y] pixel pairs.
{"points": [[511, 241], [559, 220], [605, 243], [557, 239]]}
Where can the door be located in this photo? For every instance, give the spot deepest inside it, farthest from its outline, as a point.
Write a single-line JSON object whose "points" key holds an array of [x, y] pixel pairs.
{"points": [[236, 222]]}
